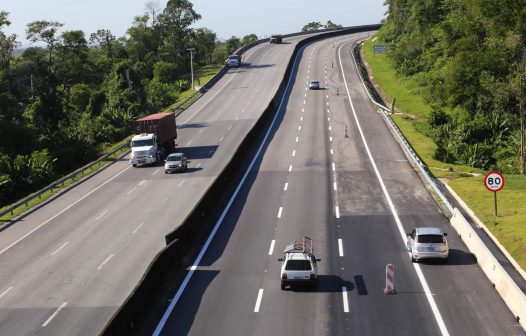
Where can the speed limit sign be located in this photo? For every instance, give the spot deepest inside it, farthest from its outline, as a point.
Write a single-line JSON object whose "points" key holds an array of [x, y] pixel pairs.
{"points": [[494, 181]]}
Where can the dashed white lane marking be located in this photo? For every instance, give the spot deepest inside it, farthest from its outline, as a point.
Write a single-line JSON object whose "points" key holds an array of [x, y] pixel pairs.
{"points": [[286, 186], [299, 128], [198, 165], [327, 103], [297, 139], [345, 301], [293, 153], [280, 211], [102, 214], [189, 142], [54, 314], [201, 131], [305, 95], [340, 247], [243, 110], [304, 102], [230, 127], [302, 109], [328, 111], [105, 262], [137, 228], [60, 248], [329, 119], [332, 152], [330, 129], [330, 139], [334, 186], [301, 118], [181, 183], [5, 292], [221, 139], [271, 250], [258, 300], [327, 96], [337, 210], [333, 167], [290, 168], [131, 190], [155, 172], [141, 183]]}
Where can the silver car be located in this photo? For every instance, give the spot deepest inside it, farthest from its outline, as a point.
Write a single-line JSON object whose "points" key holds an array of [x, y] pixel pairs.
{"points": [[427, 243], [175, 162]]}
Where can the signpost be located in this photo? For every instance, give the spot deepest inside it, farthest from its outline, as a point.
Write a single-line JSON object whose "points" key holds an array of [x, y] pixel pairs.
{"points": [[494, 181]]}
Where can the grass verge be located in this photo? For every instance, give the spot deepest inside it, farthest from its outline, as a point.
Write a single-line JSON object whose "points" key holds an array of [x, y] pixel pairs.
{"points": [[509, 227]]}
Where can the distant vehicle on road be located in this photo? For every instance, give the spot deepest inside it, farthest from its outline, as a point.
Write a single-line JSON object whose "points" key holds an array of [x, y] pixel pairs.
{"points": [[154, 139], [175, 162], [427, 243], [276, 38], [233, 61], [299, 265], [314, 85]]}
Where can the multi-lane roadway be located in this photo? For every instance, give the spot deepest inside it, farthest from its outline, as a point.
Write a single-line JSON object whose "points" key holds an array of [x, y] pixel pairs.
{"points": [[68, 265], [332, 171]]}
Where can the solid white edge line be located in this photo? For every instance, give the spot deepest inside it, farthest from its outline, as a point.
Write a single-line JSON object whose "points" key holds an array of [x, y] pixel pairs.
{"points": [[189, 275], [345, 301], [271, 250], [280, 211], [340, 247], [138, 227], [421, 277], [61, 212], [60, 248], [102, 214], [5, 292], [105, 262], [54, 314], [337, 210], [258, 300]]}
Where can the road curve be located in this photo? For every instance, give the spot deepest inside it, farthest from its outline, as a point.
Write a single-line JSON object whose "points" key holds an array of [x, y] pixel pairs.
{"points": [[69, 264], [333, 171]]}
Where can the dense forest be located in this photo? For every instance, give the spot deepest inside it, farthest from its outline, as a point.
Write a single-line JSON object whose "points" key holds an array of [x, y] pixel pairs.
{"points": [[469, 58], [64, 99]]}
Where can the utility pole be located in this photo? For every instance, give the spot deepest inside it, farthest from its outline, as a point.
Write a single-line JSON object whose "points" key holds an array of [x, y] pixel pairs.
{"points": [[191, 50]]}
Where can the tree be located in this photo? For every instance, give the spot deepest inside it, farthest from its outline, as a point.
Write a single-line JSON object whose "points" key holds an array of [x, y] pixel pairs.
{"points": [[105, 40], [174, 24], [7, 43], [203, 40], [232, 44], [44, 31], [311, 26], [330, 25], [247, 39]]}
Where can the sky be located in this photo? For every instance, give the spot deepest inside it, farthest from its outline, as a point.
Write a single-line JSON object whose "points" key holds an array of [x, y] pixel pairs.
{"points": [[225, 18]]}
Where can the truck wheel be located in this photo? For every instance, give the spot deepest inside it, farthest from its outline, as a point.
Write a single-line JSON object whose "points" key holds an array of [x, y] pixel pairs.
{"points": [[283, 286], [134, 165]]}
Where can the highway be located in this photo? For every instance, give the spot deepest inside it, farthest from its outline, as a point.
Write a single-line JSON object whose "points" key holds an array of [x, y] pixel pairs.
{"points": [[332, 171], [69, 264]]}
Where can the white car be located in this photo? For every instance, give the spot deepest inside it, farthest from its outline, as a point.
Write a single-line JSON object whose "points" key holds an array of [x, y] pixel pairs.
{"points": [[427, 243], [299, 266], [314, 85], [175, 162]]}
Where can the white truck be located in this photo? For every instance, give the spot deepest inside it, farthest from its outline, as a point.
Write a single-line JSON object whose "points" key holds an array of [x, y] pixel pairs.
{"points": [[154, 138]]}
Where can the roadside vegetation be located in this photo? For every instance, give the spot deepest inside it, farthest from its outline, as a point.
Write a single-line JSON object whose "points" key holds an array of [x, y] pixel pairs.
{"points": [[73, 94], [457, 70]]}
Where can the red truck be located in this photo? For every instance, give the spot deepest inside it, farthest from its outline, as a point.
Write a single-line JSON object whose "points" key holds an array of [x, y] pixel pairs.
{"points": [[154, 138]]}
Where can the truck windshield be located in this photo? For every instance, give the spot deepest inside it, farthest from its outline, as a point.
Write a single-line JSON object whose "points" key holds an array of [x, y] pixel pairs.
{"points": [[142, 143]]}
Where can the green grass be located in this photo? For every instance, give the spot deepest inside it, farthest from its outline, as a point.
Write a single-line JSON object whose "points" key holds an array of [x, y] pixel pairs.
{"points": [[509, 227], [201, 76]]}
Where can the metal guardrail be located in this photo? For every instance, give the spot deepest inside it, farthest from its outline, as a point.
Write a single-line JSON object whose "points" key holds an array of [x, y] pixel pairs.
{"points": [[383, 110], [60, 182]]}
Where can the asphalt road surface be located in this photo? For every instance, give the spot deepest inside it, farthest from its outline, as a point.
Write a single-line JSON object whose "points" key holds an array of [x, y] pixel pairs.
{"points": [[68, 265], [332, 171]]}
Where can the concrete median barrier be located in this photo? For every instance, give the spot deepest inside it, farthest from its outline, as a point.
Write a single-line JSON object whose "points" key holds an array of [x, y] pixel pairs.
{"points": [[497, 275]]}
